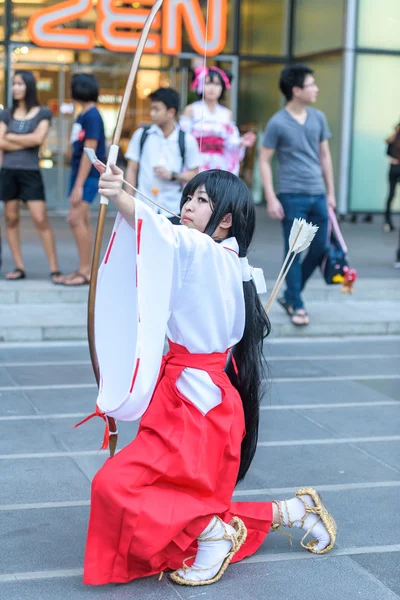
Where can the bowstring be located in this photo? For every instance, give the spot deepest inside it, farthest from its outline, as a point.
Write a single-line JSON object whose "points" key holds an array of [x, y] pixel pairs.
{"points": [[204, 68]]}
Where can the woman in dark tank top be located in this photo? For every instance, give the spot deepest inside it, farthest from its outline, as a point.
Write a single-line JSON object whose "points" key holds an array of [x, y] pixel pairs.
{"points": [[23, 129]]}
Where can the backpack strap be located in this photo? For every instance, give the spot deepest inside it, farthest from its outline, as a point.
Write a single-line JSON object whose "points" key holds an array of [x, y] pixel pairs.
{"points": [[182, 147], [181, 142], [143, 138]]}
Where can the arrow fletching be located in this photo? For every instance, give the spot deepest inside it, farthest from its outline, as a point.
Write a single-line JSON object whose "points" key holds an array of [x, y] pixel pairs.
{"points": [[309, 234]]}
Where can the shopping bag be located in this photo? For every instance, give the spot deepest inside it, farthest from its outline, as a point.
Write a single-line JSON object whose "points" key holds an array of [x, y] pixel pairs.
{"points": [[335, 260]]}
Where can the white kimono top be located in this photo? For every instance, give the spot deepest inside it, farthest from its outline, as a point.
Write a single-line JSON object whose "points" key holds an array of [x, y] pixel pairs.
{"points": [[155, 280]]}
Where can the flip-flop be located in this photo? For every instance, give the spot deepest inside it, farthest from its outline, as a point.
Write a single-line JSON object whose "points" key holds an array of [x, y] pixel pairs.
{"points": [[21, 275], [288, 308], [85, 280], [56, 274], [303, 315]]}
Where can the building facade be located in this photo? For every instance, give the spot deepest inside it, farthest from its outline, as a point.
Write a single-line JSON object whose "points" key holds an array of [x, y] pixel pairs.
{"points": [[353, 45]]}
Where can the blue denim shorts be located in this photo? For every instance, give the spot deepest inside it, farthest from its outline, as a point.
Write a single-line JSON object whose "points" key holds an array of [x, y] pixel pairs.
{"points": [[90, 188]]}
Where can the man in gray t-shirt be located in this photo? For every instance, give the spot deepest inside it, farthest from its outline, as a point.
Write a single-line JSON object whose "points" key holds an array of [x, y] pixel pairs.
{"points": [[299, 135]]}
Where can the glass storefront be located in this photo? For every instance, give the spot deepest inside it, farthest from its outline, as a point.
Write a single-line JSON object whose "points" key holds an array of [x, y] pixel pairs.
{"points": [[261, 36], [328, 75], [264, 27], [376, 103], [376, 112], [378, 24], [319, 26]]}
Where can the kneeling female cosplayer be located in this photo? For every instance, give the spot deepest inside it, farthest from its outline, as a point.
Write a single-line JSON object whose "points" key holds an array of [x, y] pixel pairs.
{"points": [[164, 502]]}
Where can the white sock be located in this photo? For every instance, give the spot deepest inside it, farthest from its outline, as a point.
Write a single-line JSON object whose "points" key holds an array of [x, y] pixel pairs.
{"points": [[296, 511], [210, 554]]}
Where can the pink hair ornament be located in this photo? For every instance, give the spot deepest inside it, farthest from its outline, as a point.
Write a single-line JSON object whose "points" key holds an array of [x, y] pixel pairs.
{"points": [[200, 78]]}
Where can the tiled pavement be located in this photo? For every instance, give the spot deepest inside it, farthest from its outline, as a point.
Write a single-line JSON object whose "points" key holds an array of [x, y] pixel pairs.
{"points": [[330, 419]]}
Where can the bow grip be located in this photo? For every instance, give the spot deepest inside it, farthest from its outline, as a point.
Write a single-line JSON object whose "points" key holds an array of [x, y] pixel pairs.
{"points": [[112, 159]]}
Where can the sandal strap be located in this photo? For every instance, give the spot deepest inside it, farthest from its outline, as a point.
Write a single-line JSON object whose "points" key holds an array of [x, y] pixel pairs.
{"points": [[186, 568], [277, 526], [231, 537]]}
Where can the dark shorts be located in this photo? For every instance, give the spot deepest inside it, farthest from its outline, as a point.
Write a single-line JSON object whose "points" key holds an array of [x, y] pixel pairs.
{"points": [[90, 188], [18, 184]]}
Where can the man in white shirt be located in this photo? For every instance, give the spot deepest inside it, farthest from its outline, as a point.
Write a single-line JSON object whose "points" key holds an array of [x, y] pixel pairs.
{"points": [[162, 158]]}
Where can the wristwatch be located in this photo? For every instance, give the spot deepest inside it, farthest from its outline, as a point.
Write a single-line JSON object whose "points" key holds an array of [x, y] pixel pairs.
{"points": [[174, 176]]}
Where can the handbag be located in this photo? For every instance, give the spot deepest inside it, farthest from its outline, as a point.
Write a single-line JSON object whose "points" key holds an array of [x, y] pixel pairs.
{"points": [[335, 260]]}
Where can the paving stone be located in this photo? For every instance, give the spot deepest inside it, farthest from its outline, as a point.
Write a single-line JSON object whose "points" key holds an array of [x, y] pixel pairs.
{"points": [[5, 378], [15, 403], [57, 435], [21, 334], [43, 315], [389, 387], [73, 588], [44, 352], [65, 333], [387, 453], [60, 547], [80, 400], [358, 422], [51, 375], [22, 437], [316, 392], [384, 567], [287, 466], [366, 366], [306, 368], [332, 346], [42, 539], [42, 480]]}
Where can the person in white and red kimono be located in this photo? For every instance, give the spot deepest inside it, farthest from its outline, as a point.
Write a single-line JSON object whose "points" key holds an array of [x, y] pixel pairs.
{"points": [[163, 503], [220, 143]]}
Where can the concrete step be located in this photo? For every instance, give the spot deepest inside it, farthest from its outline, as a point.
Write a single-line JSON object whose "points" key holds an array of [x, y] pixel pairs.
{"points": [[36, 310], [341, 318], [44, 292], [67, 321]]}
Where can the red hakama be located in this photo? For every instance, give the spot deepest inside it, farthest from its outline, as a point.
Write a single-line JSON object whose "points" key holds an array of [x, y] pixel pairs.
{"points": [[151, 501]]}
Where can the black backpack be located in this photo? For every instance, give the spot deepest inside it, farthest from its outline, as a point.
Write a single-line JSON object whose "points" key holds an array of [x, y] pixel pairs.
{"points": [[145, 135]]}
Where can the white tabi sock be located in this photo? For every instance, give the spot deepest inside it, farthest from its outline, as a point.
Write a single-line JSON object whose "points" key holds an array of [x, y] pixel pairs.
{"points": [[210, 553], [296, 510]]}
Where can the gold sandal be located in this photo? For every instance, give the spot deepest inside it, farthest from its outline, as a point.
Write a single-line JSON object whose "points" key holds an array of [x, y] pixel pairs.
{"points": [[238, 538], [323, 515]]}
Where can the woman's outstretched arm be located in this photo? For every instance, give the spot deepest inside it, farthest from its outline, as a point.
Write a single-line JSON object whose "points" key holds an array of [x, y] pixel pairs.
{"points": [[110, 186]]}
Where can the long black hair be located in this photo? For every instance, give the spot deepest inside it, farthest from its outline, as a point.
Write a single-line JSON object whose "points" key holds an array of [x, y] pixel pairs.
{"points": [[229, 194], [31, 97]]}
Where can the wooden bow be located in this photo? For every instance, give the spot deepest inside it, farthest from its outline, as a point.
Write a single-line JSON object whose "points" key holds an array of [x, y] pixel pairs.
{"points": [[112, 159]]}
